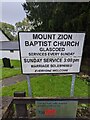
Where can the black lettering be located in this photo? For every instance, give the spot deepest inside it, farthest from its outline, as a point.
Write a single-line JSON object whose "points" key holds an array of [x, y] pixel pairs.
{"points": [[77, 43], [35, 36], [65, 36], [31, 43], [66, 43], [44, 36], [59, 36], [26, 43]]}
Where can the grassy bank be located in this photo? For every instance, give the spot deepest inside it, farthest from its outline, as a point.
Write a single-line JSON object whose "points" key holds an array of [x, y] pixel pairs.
{"points": [[51, 86], [8, 72]]}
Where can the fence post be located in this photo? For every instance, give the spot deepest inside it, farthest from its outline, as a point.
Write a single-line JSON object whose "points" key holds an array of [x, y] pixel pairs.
{"points": [[21, 109]]}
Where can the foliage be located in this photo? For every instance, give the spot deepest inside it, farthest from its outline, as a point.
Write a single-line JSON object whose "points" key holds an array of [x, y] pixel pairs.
{"points": [[12, 31], [8, 29], [48, 86], [60, 17], [24, 25]]}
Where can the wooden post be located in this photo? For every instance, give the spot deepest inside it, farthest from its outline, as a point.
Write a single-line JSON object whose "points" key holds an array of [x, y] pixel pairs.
{"points": [[21, 109]]}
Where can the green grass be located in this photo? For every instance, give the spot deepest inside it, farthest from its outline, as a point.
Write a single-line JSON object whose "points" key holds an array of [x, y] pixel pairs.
{"points": [[49, 86], [1, 63], [8, 72]]}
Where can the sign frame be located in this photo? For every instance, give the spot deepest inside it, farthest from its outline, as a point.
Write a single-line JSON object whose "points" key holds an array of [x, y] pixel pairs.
{"points": [[47, 72]]}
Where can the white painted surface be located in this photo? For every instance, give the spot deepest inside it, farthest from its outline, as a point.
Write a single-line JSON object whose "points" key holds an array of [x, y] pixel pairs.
{"points": [[3, 37], [51, 52], [12, 55]]}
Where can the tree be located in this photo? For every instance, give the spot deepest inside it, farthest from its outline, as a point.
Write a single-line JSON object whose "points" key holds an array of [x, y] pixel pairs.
{"points": [[40, 15], [12, 31], [60, 17], [24, 25], [8, 29], [57, 16]]}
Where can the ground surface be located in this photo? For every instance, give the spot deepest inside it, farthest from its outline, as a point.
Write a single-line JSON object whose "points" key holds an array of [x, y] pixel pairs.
{"points": [[14, 79], [9, 81], [6, 82], [5, 103]]}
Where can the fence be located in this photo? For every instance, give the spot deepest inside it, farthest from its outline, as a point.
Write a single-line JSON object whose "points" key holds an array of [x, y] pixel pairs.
{"points": [[21, 108]]}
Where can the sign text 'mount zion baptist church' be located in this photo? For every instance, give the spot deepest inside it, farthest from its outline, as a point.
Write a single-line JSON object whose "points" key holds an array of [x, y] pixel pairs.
{"points": [[51, 52]]}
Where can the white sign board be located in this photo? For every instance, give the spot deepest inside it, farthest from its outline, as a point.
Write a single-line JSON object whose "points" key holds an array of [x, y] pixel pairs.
{"points": [[51, 52], [56, 109]]}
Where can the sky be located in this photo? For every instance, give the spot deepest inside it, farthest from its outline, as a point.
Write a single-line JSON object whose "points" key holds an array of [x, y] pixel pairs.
{"points": [[12, 12]]}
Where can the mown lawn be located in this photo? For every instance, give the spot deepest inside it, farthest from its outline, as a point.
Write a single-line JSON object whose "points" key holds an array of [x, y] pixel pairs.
{"points": [[49, 86], [8, 72]]}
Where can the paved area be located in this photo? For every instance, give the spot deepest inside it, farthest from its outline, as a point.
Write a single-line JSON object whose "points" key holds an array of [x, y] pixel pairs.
{"points": [[14, 79], [4, 103]]}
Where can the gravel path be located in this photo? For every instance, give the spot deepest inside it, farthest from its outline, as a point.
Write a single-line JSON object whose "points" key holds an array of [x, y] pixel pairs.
{"points": [[14, 79]]}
